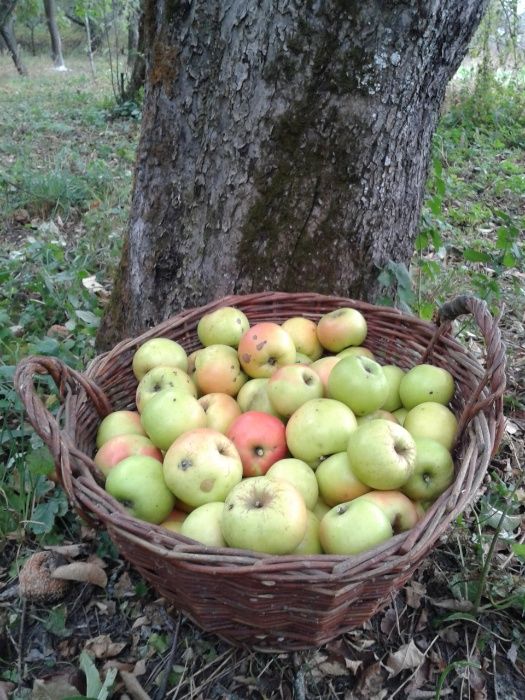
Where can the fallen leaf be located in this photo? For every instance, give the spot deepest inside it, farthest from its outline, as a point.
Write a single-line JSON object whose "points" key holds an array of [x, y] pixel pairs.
{"points": [[353, 665], [372, 683], [82, 571], [103, 648], [452, 604], [133, 687], [406, 657], [55, 688], [124, 588], [91, 284], [67, 550], [414, 592]]}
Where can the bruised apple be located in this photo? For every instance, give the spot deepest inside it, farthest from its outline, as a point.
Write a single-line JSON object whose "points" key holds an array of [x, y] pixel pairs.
{"points": [[260, 440], [217, 370], [160, 378], [264, 348]]}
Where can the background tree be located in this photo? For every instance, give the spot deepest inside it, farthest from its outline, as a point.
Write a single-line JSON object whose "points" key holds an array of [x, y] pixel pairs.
{"points": [[56, 42], [284, 146], [7, 33]]}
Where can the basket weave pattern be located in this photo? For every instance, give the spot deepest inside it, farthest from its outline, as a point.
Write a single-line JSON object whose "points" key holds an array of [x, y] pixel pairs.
{"points": [[258, 600]]}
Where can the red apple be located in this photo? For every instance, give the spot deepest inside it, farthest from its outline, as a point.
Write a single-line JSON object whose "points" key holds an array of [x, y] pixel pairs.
{"points": [[260, 440], [121, 446], [264, 348]]}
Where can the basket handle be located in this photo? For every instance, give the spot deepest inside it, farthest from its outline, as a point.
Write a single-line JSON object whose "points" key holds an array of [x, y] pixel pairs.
{"points": [[494, 376], [68, 382]]}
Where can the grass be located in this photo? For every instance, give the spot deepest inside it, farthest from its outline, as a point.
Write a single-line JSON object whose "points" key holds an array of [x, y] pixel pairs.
{"points": [[65, 178]]}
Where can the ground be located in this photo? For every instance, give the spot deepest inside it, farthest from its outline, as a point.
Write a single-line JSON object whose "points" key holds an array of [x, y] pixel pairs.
{"points": [[66, 163]]}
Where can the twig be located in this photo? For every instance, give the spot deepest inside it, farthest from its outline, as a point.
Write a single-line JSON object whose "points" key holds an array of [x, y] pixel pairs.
{"points": [[161, 693]]}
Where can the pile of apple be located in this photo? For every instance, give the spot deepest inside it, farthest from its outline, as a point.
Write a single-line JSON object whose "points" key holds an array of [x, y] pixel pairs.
{"points": [[284, 439]]}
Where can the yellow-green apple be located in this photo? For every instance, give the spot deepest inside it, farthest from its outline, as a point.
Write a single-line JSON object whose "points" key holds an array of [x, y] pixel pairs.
{"points": [[264, 348], [138, 484], [382, 454], [291, 386], [432, 420], [433, 473], [400, 414], [119, 423], [310, 544], [265, 515], [224, 326], [338, 329], [303, 332], [320, 509], [254, 397], [379, 413], [191, 364], [121, 446], [320, 427], [170, 413], [160, 378], [174, 520], [217, 370], [221, 410], [359, 383], [158, 352], [204, 524], [398, 508], [202, 466], [394, 375], [260, 440], [426, 383], [302, 359], [300, 475], [337, 481], [356, 350], [354, 527], [323, 367]]}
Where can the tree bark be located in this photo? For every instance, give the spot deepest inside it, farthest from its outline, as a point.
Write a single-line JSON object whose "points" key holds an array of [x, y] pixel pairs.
{"points": [[284, 146], [7, 33], [136, 56], [56, 42]]}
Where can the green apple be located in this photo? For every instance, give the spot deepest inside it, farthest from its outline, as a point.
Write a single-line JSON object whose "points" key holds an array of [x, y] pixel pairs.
{"points": [[320, 509], [302, 359], [426, 383], [158, 352], [432, 420], [119, 423], [359, 383], [320, 427], [253, 396], [291, 386], [160, 378], [202, 466], [382, 454], [138, 483], [300, 475], [380, 413], [224, 326], [170, 413], [356, 350], [204, 524], [264, 348], [338, 329], [394, 375], [221, 410], [217, 370], [433, 473], [337, 481], [303, 332], [400, 414], [264, 515], [310, 544], [354, 527], [397, 507]]}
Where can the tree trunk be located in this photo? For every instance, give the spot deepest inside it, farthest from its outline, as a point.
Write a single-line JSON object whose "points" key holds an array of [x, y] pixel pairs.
{"points": [[136, 57], [56, 43], [8, 35], [284, 146]]}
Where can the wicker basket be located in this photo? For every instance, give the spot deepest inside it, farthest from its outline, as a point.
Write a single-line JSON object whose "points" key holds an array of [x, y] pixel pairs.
{"points": [[257, 600]]}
